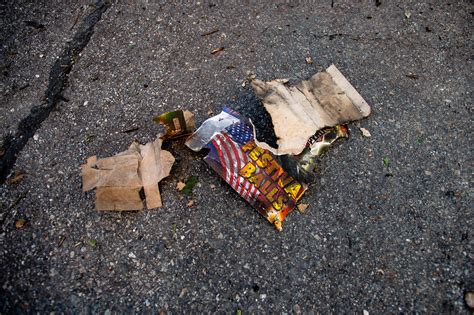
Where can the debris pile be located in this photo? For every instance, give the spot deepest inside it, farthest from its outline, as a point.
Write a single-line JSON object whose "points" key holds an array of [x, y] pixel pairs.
{"points": [[307, 119], [120, 179]]}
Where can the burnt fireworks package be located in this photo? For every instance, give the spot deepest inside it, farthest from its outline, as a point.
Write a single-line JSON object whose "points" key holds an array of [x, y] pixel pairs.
{"points": [[307, 119], [253, 172]]}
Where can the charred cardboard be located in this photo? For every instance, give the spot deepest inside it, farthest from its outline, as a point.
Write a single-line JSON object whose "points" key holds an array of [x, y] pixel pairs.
{"points": [[327, 99]]}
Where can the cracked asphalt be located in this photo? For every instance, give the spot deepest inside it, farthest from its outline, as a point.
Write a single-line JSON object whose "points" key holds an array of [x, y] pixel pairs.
{"points": [[378, 237]]}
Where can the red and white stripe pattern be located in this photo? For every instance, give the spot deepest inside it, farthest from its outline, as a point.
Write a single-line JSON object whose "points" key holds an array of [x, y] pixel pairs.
{"points": [[233, 160]]}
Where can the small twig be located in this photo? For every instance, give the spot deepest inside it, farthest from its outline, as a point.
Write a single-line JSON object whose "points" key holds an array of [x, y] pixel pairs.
{"points": [[76, 18], [210, 33], [61, 241], [130, 130], [18, 199], [217, 50]]}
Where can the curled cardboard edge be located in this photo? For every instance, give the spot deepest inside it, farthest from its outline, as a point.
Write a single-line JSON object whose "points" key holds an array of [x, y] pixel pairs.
{"points": [[189, 120], [277, 99], [350, 91]]}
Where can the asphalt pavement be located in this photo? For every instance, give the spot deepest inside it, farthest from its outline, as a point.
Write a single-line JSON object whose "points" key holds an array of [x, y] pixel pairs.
{"points": [[389, 223]]}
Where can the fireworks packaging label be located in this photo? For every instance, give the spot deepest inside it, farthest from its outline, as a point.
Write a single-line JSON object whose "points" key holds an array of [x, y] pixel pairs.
{"points": [[250, 170]]}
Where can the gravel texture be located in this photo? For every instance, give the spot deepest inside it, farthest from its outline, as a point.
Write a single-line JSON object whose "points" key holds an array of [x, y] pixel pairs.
{"points": [[382, 237], [32, 35]]}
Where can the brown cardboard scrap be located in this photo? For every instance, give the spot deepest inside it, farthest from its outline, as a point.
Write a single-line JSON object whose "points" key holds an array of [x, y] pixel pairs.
{"points": [[155, 165], [302, 207], [327, 99], [189, 119], [118, 198], [117, 171], [149, 172], [120, 178], [177, 123]]}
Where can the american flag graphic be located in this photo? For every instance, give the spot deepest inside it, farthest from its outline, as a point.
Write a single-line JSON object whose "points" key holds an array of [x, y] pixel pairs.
{"points": [[227, 145]]}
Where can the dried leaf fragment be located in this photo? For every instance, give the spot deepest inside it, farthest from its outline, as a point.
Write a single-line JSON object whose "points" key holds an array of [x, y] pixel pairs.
{"points": [[16, 177], [190, 183], [190, 203], [180, 185], [412, 76], [217, 50], [183, 292], [88, 138], [210, 32], [365, 132], [302, 207], [20, 223], [174, 228]]}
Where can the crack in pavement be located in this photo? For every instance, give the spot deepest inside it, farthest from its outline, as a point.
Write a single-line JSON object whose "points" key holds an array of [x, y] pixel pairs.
{"points": [[58, 76]]}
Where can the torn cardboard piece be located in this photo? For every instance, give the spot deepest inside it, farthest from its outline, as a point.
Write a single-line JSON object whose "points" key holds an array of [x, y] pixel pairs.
{"points": [[120, 178], [325, 100], [177, 123], [155, 165]]}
